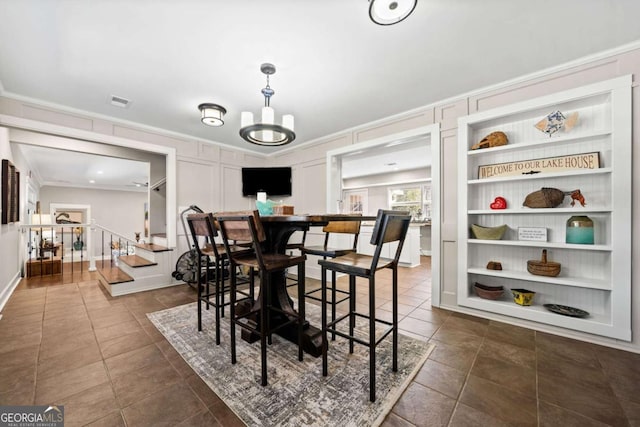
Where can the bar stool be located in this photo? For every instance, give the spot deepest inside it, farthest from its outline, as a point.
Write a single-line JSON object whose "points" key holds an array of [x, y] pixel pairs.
{"points": [[391, 226], [325, 251], [212, 258], [246, 226]]}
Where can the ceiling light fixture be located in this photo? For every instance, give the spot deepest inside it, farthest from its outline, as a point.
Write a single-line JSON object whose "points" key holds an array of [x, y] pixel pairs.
{"points": [[267, 132], [389, 12], [212, 114]]}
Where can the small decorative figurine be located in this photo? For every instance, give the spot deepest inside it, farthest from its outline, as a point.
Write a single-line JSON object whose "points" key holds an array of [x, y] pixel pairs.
{"points": [[556, 121], [499, 203], [494, 265], [494, 139], [551, 197]]}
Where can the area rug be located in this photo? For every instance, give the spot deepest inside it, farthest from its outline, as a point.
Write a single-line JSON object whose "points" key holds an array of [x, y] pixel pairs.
{"points": [[297, 393]]}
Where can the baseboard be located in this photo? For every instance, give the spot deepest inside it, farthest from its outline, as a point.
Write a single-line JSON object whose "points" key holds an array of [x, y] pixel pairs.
{"points": [[8, 291]]}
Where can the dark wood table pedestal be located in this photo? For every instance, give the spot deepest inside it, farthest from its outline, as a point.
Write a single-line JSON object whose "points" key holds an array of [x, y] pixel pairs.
{"points": [[279, 229]]}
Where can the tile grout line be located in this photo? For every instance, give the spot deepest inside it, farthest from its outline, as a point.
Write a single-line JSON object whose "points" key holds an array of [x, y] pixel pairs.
{"points": [[466, 378]]}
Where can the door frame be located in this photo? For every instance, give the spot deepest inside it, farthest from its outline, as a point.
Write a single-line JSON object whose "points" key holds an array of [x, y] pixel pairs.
{"points": [[432, 133]]}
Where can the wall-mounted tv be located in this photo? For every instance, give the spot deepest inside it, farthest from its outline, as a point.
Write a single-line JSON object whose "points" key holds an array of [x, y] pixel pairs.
{"points": [[273, 181]]}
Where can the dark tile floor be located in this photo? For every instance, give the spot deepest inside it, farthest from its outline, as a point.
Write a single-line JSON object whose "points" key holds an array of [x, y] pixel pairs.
{"points": [[73, 344]]}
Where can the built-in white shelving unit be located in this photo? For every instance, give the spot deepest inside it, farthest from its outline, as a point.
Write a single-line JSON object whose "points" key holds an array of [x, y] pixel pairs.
{"points": [[595, 278]]}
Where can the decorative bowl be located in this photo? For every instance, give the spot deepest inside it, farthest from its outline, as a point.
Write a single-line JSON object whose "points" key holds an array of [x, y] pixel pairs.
{"points": [[523, 296], [488, 233], [488, 292]]}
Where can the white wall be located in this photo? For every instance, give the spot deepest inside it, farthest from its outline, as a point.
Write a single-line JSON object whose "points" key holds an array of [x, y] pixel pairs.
{"points": [[120, 211]]}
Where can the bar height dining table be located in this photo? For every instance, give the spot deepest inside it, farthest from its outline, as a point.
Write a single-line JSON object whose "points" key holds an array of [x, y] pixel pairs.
{"points": [[278, 229]]}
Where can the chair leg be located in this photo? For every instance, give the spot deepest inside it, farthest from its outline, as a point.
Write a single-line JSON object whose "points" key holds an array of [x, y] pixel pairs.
{"points": [[207, 278], [219, 290], [395, 319], [352, 310], [372, 338], [199, 294], [232, 316], [252, 284], [217, 306], [301, 308], [264, 330], [333, 301], [323, 331], [220, 277]]}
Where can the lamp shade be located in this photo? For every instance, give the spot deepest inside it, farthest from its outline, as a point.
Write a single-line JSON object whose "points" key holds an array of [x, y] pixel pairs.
{"points": [[267, 132], [41, 219], [212, 114], [389, 12]]}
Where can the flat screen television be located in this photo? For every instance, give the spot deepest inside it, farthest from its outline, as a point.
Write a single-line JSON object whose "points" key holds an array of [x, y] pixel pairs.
{"points": [[273, 181]]}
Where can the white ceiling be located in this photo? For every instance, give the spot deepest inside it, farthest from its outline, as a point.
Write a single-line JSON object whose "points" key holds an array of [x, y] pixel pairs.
{"points": [[335, 68], [63, 168], [387, 158]]}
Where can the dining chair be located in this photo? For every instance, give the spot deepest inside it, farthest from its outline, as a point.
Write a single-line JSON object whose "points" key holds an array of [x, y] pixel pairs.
{"points": [[211, 266], [390, 226], [246, 226], [295, 246], [351, 228]]}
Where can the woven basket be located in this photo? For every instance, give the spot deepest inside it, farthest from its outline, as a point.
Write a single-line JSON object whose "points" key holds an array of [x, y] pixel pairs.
{"points": [[488, 233], [543, 267]]}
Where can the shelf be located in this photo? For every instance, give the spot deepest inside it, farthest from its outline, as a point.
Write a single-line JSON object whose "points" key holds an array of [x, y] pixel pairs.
{"points": [[537, 312], [564, 139], [534, 244], [604, 127], [577, 282], [577, 172], [535, 211]]}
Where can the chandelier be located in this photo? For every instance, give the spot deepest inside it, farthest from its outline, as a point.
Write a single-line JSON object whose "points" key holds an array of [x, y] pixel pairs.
{"points": [[389, 12], [267, 132]]}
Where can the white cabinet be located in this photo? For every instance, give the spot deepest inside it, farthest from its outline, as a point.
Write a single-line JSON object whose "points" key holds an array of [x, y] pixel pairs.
{"points": [[595, 278], [410, 255]]}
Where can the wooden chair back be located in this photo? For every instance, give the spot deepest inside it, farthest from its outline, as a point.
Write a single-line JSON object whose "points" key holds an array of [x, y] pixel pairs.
{"points": [[243, 226], [391, 226], [202, 226], [343, 227]]}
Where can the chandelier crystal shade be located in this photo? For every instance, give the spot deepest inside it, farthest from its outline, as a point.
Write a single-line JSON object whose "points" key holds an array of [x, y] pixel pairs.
{"points": [[267, 132], [389, 12], [212, 114]]}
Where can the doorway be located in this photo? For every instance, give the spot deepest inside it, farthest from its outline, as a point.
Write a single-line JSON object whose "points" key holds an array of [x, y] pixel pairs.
{"points": [[427, 141]]}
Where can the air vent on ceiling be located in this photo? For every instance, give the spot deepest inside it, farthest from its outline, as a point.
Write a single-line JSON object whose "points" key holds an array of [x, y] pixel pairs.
{"points": [[119, 101]]}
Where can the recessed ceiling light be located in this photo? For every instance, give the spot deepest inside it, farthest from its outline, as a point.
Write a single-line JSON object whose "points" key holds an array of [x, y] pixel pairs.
{"points": [[99, 172], [92, 181]]}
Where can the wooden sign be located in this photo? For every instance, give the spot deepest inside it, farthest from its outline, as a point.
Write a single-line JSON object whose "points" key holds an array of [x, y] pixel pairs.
{"points": [[544, 165]]}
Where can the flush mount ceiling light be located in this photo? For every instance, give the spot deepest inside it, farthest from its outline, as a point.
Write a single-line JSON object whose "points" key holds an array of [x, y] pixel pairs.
{"points": [[212, 114], [389, 12], [267, 132]]}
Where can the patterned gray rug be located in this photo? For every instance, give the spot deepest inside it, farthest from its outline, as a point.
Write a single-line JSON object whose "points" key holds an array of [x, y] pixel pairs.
{"points": [[297, 394]]}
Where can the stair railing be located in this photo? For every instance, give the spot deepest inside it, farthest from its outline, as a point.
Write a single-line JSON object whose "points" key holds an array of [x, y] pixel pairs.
{"points": [[58, 248], [52, 248], [116, 243]]}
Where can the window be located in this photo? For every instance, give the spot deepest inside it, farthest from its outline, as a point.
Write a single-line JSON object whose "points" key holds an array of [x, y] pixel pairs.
{"points": [[416, 199], [355, 201]]}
